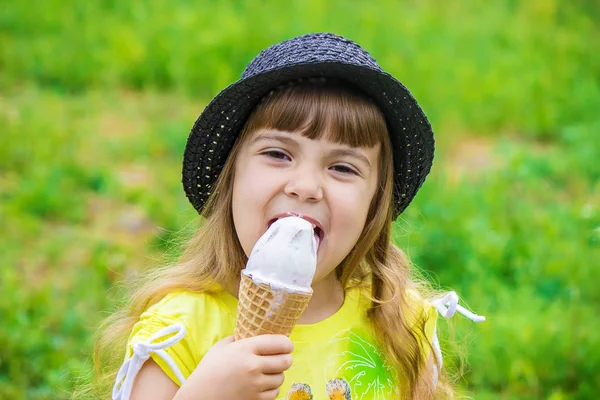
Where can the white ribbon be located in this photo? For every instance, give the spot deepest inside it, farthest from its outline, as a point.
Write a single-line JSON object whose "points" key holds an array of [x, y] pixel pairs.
{"points": [[447, 306], [141, 353]]}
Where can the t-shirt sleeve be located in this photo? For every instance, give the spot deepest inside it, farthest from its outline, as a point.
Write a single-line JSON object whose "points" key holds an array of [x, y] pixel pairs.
{"points": [[424, 313], [181, 352], [431, 316], [176, 333]]}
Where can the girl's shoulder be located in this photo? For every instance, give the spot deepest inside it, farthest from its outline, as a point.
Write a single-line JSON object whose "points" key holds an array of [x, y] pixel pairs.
{"points": [[421, 315], [413, 306], [190, 307], [419, 304], [206, 316], [418, 311]]}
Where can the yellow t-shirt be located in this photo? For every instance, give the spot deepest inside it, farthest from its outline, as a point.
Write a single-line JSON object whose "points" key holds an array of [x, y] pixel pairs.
{"points": [[335, 355]]}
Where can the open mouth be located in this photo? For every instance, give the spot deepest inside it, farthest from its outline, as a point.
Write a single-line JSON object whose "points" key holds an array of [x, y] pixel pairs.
{"points": [[317, 230]]}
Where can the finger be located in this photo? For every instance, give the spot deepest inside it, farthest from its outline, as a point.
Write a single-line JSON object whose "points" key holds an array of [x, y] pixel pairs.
{"points": [[271, 381], [265, 345], [276, 364], [269, 394]]}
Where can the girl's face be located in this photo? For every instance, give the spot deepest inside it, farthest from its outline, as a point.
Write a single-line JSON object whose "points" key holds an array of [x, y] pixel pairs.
{"points": [[329, 184]]}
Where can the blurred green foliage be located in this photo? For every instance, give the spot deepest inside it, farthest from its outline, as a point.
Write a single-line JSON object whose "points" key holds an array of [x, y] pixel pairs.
{"points": [[523, 65], [97, 99]]}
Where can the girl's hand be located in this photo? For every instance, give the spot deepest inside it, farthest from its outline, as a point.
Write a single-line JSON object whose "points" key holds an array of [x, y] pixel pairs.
{"points": [[249, 369]]}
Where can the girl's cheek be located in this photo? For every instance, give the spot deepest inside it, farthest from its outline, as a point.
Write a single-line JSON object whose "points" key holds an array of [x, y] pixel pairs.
{"points": [[347, 197], [256, 176]]}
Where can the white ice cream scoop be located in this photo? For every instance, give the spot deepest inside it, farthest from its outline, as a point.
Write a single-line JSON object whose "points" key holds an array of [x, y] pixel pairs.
{"points": [[285, 256]]}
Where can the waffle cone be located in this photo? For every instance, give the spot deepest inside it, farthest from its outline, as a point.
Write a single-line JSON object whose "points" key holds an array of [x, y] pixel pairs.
{"points": [[263, 309]]}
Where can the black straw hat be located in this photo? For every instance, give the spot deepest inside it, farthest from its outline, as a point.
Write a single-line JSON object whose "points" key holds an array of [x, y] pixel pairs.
{"points": [[313, 55]]}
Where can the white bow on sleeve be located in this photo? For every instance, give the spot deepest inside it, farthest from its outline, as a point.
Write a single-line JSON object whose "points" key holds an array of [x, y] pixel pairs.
{"points": [[141, 353]]}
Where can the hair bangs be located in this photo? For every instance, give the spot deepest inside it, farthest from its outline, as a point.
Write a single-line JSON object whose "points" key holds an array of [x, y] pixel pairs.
{"points": [[322, 109]]}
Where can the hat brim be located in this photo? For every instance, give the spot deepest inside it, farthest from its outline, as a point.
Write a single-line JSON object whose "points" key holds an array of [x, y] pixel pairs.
{"points": [[216, 129]]}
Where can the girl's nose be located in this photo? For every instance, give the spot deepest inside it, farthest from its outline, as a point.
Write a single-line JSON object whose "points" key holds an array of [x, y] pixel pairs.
{"points": [[306, 186]]}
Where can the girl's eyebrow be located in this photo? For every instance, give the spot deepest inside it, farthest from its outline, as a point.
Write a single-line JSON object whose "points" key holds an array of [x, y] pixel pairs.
{"points": [[277, 137]]}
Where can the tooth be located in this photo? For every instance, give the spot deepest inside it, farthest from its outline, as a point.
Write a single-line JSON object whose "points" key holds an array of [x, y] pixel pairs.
{"points": [[314, 226]]}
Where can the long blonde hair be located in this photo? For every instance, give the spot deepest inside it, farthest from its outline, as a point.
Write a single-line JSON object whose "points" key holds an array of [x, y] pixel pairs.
{"points": [[315, 108]]}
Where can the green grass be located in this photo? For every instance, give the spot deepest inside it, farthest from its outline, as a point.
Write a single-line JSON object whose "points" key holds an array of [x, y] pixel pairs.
{"points": [[508, 65], [98, 98]]}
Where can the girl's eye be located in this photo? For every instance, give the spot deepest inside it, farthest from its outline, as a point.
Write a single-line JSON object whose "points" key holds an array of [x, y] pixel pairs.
{"points": [[344, 169], [279, 155]]}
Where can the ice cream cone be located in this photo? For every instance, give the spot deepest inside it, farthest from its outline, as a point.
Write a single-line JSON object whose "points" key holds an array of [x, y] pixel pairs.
{"points": [[264, 309]]}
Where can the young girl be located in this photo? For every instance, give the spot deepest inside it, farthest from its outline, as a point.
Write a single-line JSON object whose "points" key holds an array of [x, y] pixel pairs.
{"points": [[317, 130]]}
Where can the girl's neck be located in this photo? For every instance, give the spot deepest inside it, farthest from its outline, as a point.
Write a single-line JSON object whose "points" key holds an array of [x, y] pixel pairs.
{"points": [[327, 298]]}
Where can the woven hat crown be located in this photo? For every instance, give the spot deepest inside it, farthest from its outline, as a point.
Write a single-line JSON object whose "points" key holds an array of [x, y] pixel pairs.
{"points": [[309, 49]]}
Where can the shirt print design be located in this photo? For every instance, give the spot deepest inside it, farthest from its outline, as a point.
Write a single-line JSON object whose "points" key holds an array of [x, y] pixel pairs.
{"points": [[336, 389], [362, 366], [357, 372]]}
